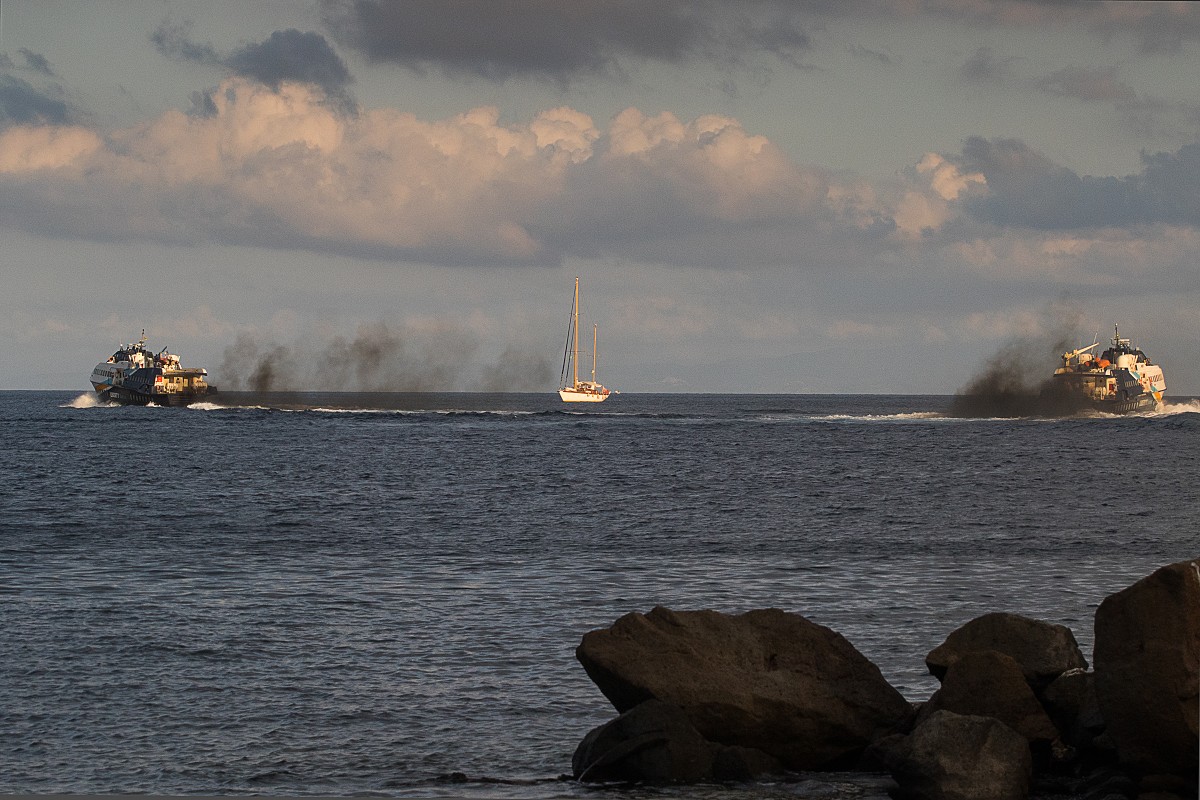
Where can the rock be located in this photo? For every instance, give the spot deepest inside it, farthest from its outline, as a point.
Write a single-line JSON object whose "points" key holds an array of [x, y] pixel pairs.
{"points": [[652, 743], [1043, 650], [955, 757], [739, 764], [1176, 785], [1147, 655], [655, 743], [766, 679], [990, 684], [1070, 701]]}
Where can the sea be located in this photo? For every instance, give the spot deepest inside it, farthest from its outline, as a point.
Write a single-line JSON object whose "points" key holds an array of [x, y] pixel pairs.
{"points": [[381, 594]]}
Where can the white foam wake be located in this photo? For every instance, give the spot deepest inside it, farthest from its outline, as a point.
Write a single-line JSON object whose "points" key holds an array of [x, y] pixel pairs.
{"points": [[1190, 407], [86, 400]]}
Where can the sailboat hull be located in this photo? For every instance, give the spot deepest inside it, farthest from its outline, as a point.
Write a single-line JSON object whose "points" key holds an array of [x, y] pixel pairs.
{"points": [[570, 395]]}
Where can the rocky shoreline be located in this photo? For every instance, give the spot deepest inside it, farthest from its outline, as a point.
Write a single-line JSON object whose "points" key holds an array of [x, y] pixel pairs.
{"points": [[705, 697]]}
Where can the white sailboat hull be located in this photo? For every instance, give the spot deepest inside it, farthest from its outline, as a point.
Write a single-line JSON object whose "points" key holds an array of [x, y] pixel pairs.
{"points": [[570, 395]]}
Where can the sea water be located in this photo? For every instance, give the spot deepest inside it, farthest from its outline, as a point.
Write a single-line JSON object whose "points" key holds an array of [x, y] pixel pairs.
{"points": [[382, 594]]}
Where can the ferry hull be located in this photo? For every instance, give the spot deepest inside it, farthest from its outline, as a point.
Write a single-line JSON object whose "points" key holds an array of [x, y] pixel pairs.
{"points": [[129, 397], [1131, 405]]}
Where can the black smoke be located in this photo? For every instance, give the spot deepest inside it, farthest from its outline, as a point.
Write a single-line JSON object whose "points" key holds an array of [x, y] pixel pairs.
{"points": [[1018, 380], [380, 358]]}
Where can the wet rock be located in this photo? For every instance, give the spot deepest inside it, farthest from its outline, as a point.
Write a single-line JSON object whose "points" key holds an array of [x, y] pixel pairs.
{"points": [[990, 684], [655, 743], [1147, 669], [766, 679], [652, 743], [1043, 650], [954, 757], [739, 764]]}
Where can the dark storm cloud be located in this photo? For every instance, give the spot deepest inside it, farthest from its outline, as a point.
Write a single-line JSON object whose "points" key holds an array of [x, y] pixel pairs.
{"points": [[23, 103], [293, 55], [563, 40], [171, 39], [288, 55], [1026, 189], [37, 62]]}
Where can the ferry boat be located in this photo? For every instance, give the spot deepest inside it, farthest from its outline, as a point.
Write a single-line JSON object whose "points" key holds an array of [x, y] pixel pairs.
{"points": [[135, 376], [1121, 380], [579, 391]]}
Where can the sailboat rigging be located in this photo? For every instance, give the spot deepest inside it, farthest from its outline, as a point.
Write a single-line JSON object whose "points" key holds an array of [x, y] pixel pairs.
{"points": [[579, 391]]}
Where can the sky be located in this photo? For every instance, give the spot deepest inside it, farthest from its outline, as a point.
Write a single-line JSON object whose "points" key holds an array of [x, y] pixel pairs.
{"points": [[762, 196]]}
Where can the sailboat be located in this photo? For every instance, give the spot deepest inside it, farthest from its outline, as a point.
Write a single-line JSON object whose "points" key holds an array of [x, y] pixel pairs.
{"points": [[579, 391]]}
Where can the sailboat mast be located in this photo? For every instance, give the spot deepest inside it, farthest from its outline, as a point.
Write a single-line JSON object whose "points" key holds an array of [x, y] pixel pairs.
{"points": [[575, 346], [595, 333]]}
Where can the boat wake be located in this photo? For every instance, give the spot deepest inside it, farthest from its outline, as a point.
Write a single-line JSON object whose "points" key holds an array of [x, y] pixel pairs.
{"points": [[87, 400], [903, 417], [1191, 406]]}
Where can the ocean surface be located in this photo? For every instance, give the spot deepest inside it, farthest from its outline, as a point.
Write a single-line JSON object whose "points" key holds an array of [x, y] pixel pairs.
{"points": [[382, 594]]}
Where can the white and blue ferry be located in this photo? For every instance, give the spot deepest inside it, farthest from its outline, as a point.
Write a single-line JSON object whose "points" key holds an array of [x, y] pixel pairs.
{"points": [[1121, 380], [136, 376]]}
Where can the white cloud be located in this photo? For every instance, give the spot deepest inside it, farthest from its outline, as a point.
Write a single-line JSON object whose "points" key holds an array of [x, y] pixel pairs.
{"points": [[281, 169]]}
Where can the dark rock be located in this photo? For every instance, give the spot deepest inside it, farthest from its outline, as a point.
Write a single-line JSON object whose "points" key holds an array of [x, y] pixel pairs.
{"points": [[737, 764], [990, 684], [880, 754], [766, 679], [652, 743], [1118, 785], [1177, 785], [953, 757], [1147, 654], [1070, 701], [1043, 650]]}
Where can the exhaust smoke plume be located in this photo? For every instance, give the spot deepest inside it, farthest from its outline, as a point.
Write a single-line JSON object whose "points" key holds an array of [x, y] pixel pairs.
{"points": [[380, 359], [1017, 382]]}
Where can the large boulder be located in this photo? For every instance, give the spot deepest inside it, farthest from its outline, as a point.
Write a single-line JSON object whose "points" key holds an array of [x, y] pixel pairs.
{"points": [[766, 679], [990, 684], [954, 757], [654, 742], [1044, 650], [1147, 653]]}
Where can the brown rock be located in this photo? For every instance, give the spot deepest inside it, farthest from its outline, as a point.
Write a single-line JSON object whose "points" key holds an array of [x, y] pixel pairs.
{"points": [[955, 757], [766, 679], [1147, 666], [651, 743], [1043, 650], [990, 684]]}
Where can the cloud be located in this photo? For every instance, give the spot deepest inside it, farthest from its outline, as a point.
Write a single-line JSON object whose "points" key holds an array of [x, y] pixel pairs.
{"points": [[1159, 27], [559, 41], [287, 56], [984, 67], [37, 62], [1026, 189], [23, 103], [1090, 85], [280, 168]]}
